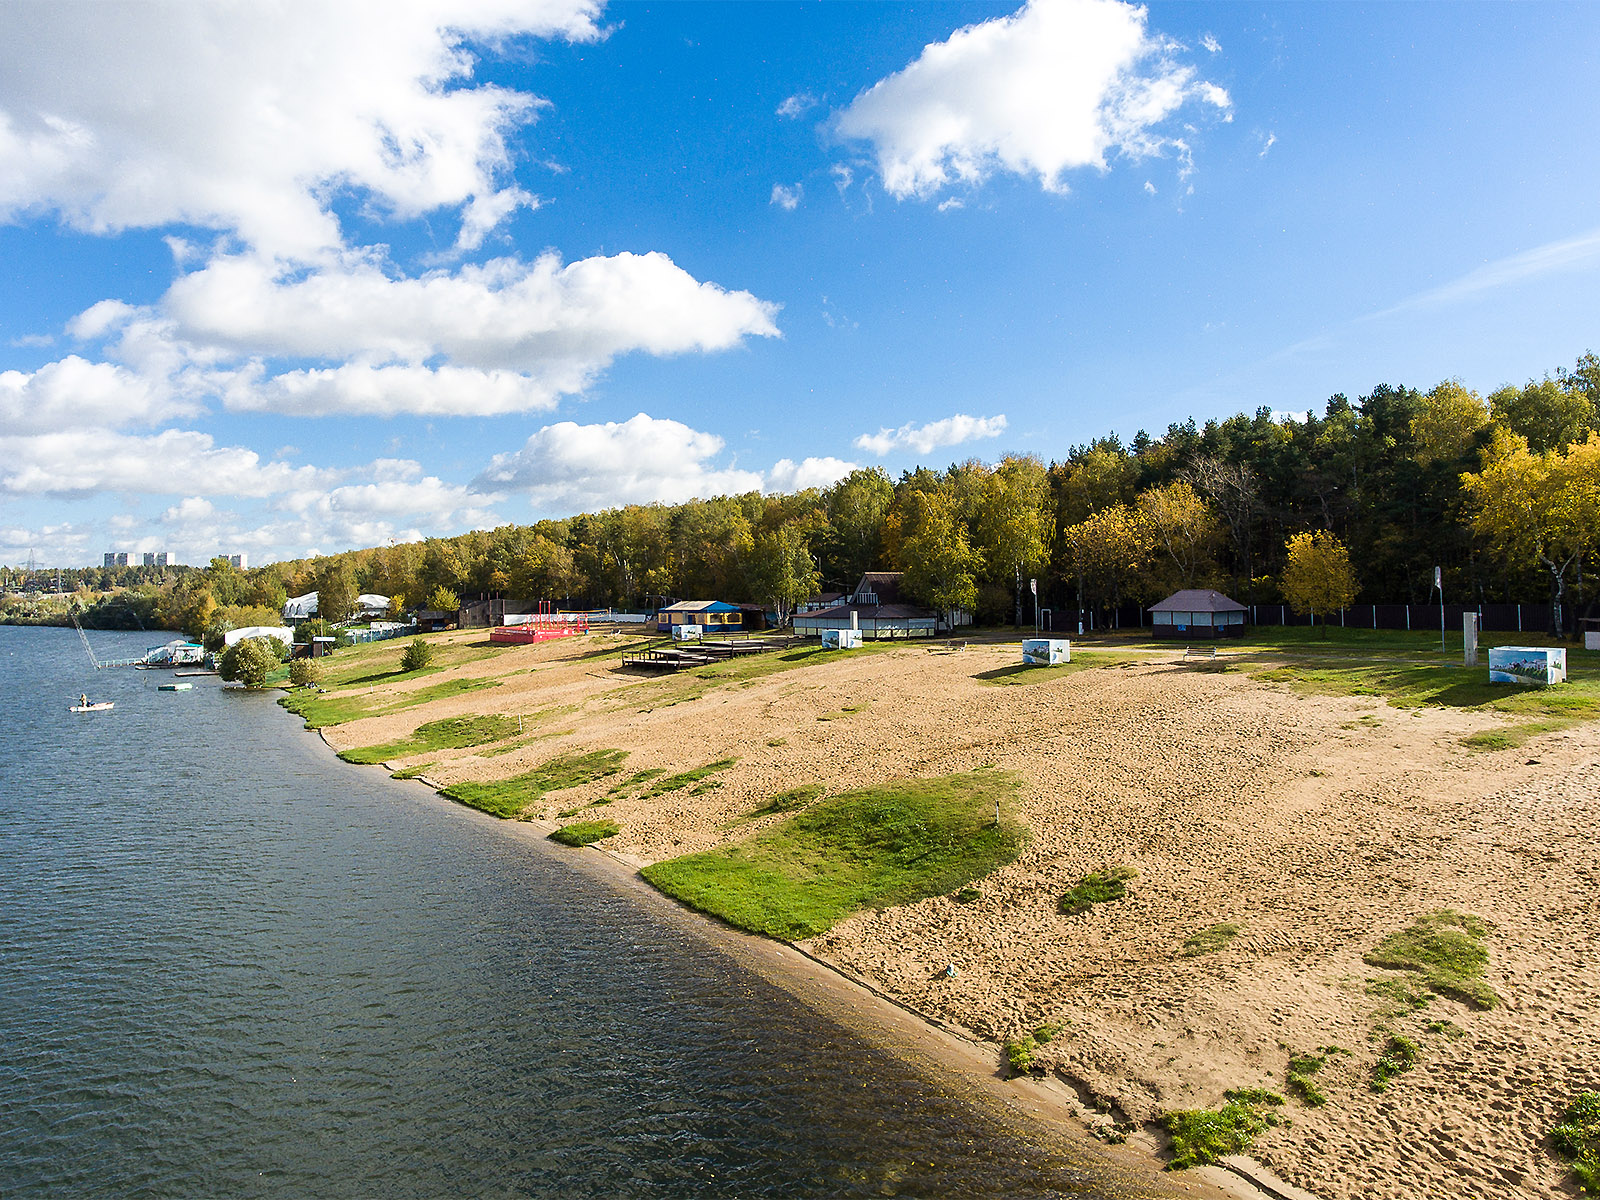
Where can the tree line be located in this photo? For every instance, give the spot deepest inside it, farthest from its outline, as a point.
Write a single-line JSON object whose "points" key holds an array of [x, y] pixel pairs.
{"points": [[1502, 492]]}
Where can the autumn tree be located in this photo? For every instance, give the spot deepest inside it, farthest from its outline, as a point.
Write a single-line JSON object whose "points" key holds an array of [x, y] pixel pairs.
{"points": [[940, 565], [250, 661], [1447, 423], [1182, 527], [1108, 551], [856, 508], [336, 591], [782, 571], [1543, 413], [1317, 577], [1538, 508], [1012, 521], [442, 599]]}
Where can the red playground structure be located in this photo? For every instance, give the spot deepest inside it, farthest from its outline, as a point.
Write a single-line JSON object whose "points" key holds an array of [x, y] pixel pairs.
{"points": [[542, 626]]}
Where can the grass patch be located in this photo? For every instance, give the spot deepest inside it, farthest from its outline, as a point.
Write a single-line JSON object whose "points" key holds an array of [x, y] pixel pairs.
{"points": [[1577, 1139], [791, 801], [871, 848], [1046, 1032], [967, 895], [318, 709], [1210, 939], [684, 778], [1401, 991], [636, 779], [1510, 737], [1446, 949], [1413, 685], [1399, 1056], [842, 713], [452, 733], [1099, 888], [1301, 1069], [411, 772], [583, 833], [1201, 1136], [509, 797], [1448, 1028], [1020, 1055]]}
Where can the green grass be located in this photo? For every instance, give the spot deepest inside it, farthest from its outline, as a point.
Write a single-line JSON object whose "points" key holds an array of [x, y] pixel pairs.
{"points": [[1046, 1032], [1402, 992], [1020, 1054], [1201, 1136], [1446, 949], [318, 708], [871, 848], [1415, 685], [792, 800], [683, 779], [452, 733], [509, 797], [411, 772], [582, 833], [1399, 1056], [1301, 1069], [1098, 888], [1210, 939], [1577, 1139], [1512, 736]]}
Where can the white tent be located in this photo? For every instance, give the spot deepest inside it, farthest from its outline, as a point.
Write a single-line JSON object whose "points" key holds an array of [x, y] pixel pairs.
{"points": [[282, 632], [369, 604], [300, 608]]}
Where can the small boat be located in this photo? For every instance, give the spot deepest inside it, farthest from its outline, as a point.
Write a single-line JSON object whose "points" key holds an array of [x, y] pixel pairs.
{"points": [[175, 687], [183, 674], [97, 706]]}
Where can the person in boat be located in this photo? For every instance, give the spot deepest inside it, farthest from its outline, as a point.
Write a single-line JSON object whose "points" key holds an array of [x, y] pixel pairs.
{"points": [[84, 700]]}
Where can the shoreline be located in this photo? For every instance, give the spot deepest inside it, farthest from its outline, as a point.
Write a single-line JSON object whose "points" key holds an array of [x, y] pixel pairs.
{"points": [[1306, 825], [1051, 1106]]}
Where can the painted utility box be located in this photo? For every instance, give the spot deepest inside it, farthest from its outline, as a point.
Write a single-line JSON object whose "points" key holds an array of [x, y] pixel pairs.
{"points": [[1046, 652], [687, 633], [1537, 665], [841, 639]]}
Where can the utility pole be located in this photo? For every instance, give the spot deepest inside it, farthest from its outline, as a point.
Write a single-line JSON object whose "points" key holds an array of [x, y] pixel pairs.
{"points": [[1438, 583]]}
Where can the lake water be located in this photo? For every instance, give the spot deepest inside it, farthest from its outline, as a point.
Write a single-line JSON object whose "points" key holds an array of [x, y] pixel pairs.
{"points": [[231, 965]]}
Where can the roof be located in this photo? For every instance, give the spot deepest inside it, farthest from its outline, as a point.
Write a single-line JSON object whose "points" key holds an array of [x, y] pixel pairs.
{"points": [[701, 606], [869, 612], [885, 585], [1197, 600]]}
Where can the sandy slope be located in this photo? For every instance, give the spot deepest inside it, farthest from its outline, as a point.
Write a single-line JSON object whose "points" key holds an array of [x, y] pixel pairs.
{"points": [[1317, 824]]}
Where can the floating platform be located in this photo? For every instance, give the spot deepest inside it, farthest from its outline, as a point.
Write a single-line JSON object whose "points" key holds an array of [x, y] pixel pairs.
{"points": [[175, 687]]}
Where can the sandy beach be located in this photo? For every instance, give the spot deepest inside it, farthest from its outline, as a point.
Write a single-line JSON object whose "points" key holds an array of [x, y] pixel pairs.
{"points": [[1316, 825]]}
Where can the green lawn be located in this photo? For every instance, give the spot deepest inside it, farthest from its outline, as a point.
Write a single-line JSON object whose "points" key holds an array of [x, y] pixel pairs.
{"points": [[320, 708], [871, 848]]}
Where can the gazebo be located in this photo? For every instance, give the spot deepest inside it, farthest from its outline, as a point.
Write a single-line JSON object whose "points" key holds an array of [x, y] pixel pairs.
{"points": [[1197, 612]]}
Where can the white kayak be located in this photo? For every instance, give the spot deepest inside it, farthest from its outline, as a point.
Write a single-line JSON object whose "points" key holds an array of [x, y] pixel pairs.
{"points": [[97, 706]]}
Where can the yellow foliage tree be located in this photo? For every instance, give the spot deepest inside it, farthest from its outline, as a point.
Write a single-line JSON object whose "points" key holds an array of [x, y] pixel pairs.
{"points": [[1108, 552], [1447, 421], [1181, 524], [1318, 578], [1542, 508]]}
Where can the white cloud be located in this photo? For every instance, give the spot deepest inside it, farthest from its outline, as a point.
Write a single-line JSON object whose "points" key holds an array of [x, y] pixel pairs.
{"points": [[249, 118], [73, 392], [172, 461], [189, 511], [787, 198], [797, 105], [951, 431], [953, 203], [1270, 141], [500, 337], [1211, 44], [1056, 86], [567, 467], [1149, 188], [575, 467], [790, 476], [1569, 254]]}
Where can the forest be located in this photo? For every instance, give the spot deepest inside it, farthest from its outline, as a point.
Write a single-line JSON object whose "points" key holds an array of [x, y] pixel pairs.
{"points": [[1501, 491]]}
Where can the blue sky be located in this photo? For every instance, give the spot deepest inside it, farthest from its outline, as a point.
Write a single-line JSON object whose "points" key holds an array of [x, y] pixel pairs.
{"points": [[290, 278]]}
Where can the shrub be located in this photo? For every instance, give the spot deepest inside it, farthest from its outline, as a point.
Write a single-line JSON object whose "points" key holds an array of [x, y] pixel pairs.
{"points": [[250, 662], [305, 672], [1399, 1055], [417, 656], [1019, 1054], [1201, 1136]]}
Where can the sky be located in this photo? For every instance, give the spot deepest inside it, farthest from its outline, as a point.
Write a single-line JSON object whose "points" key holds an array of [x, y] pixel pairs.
{"points": [[290, 278]]}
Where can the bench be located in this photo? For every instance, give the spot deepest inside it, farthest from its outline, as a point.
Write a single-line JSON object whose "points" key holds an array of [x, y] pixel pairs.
{"points": [[1199, 652]]}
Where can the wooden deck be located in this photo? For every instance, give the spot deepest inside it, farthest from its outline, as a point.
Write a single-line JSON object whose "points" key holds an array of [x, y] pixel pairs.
{"points": [[682, 656]]}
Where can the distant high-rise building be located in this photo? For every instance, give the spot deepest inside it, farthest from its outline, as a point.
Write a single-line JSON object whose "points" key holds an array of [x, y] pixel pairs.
{"points": [[240, 562], [121, 558], [157, 558]]}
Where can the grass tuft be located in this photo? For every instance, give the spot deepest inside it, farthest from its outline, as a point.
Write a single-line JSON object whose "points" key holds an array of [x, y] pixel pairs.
{"points": [[1201, 1136], [871, 848], [1577, 1139], [1446, 949], [1099, 888], [1399, 1056], [683, 779], [583, 833], [1210, 939], [1020, 1055], [509, 797]]}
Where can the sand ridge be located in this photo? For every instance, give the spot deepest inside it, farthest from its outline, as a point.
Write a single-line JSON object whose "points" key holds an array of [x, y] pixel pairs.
{"points": [[1317, 825]]}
